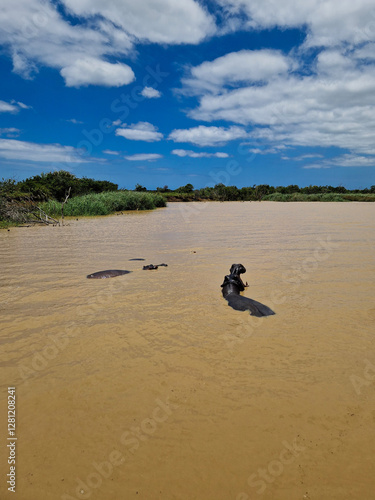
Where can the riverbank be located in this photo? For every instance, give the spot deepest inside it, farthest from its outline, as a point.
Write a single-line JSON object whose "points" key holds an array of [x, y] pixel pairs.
{"points": [[280, 197], [16, 212], [105, 203]]}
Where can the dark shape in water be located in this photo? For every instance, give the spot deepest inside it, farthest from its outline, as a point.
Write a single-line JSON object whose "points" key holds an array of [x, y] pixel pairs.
{"points": [[151, 266], [233, 285], [137, 259], [107, 274]]}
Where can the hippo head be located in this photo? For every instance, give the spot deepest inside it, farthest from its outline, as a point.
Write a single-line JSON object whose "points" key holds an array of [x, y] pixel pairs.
{"points": [[237, 269]]}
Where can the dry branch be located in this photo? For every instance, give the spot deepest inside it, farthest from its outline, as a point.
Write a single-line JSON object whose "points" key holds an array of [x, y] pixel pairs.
{"points": [[24, 210]]}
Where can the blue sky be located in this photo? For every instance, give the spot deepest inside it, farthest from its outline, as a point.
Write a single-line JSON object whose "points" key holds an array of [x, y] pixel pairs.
{"points": [[160, 92]]}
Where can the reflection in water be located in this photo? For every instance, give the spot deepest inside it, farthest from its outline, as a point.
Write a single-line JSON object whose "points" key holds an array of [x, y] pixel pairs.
{"points": [[148, 384]]}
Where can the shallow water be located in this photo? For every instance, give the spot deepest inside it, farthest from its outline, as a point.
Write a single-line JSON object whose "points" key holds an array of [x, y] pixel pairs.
{"points": [[149, 386]]}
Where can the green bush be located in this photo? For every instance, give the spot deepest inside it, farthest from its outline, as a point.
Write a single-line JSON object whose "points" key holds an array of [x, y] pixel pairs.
{"points": [[105, 203]]}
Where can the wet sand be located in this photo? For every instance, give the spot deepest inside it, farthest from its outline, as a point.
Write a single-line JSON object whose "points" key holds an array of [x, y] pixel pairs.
{"points": [[149, 386]]}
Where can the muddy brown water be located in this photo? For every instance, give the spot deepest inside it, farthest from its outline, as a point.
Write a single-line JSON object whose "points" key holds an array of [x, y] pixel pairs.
{"points": [[149, 386]]}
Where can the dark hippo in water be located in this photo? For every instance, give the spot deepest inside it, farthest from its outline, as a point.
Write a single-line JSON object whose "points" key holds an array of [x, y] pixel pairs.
{"points": [[151, 266], [233, 285], [112, 273]]}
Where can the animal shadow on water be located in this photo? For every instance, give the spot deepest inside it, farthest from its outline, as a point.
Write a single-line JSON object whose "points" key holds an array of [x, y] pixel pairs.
{"points": [[231, 288]]}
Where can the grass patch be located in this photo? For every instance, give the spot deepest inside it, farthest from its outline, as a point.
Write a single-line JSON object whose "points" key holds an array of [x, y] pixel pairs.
{"points": [[320, 197], [104, 203], [5, 224]]}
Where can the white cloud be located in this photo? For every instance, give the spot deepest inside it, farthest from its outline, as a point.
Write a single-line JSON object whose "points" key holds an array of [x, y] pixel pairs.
{"points": [[35, 34], [160, 21], [328, 22], [192, 154], [76, 122], [267, 151], [352, 160], [238, 67], [346, 160], [10, 131], [332, 105], [207, 136], [366, 51], [316, 166], [110, 152], [11, 149], [142, 131], [92, 71], [150, 93], [144, 157], [12, 107], [303, 157]]}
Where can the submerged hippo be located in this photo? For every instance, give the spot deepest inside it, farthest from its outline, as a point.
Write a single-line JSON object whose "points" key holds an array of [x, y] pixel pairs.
{"points": [[151, 266], [107, 274], [233, 285], [118, 272]]}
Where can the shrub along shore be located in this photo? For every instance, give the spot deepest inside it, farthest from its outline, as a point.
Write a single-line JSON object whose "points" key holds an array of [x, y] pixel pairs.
{"points": [[264, 192], [287, 197], [104, 203]]}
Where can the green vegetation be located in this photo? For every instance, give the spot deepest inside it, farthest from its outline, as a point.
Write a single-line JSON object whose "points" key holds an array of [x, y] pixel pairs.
{"points": [[55, 185], [267, 193], [105, 203], [39, 198]]}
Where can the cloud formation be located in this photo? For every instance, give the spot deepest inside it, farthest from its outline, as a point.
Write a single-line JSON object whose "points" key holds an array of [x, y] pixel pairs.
{"points": [[110, 152], [92, 71], [12, 107], [10, 131], [42, 37], [208, 136], [192, 154], [332, 105], [185, 21], [150, 93], [328, 22], [144, 157], [346, 160], [141, 131], [11, 149], [237, 68]]}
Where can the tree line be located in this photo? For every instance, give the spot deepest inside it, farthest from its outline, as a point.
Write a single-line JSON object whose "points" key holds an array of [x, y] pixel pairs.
{"points": [[256, 192], [53, 185]]}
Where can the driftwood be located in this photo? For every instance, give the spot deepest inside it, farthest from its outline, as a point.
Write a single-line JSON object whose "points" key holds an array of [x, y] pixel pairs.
{"points": [[24, 210], [67, 194]]}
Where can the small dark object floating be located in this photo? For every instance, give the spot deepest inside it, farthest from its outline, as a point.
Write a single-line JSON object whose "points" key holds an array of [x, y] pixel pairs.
{"points": [[137, 259], [151, 266], [112, 273], [233, 285]]}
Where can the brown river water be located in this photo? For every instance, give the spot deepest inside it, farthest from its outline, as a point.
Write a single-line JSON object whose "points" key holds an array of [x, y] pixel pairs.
{"points": [[148, 386]]}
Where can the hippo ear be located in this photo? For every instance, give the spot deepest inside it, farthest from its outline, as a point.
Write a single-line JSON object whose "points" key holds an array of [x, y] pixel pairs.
{"points": [[233, 268]]}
